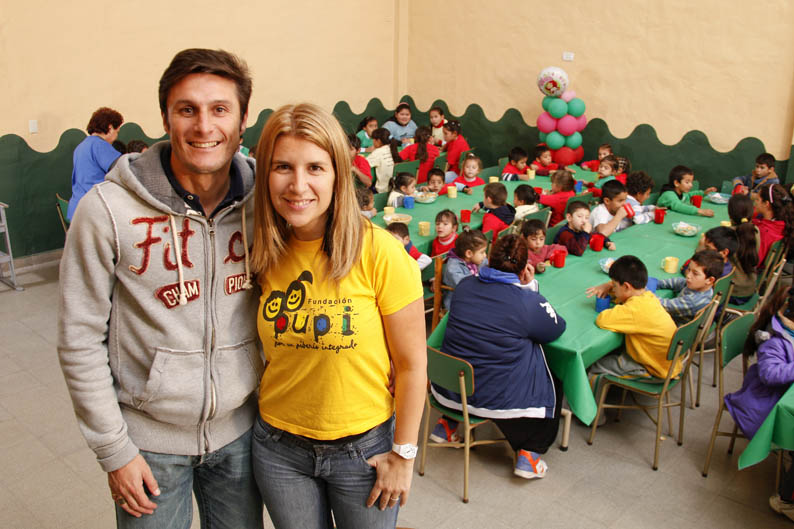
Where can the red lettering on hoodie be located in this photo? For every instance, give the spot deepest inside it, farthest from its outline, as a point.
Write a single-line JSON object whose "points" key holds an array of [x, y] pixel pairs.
{"points": [[233, 256], [184, 236], [146, 244]]}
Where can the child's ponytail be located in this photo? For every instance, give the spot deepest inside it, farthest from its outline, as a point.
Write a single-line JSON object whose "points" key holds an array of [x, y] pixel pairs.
{"points": [[400, 180], [421, 138], [740, 211], [782, 209], [394, 148]]}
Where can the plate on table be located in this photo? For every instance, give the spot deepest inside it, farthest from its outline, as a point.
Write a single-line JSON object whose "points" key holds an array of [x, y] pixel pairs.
{"points": [[606, 263], [718, 198], [685, 229], [397, 217], [427, 197]]}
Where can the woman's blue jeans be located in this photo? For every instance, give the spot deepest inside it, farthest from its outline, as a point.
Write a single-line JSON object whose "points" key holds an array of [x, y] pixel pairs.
{"points": [[303, 481]]}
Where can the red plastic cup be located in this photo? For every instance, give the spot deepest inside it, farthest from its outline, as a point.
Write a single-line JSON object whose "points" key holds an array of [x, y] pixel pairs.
{"points": [[696, 200], [658, 215], [629, 210], [539, 190], [558, 258], [465, 216], [597, 242]]}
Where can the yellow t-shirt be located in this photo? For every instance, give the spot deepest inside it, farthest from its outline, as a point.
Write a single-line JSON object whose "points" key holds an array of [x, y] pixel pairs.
{"points": [[324, 341]]}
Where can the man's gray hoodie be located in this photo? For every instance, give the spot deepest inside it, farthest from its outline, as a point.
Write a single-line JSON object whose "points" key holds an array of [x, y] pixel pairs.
{"points": [[157, 330]]}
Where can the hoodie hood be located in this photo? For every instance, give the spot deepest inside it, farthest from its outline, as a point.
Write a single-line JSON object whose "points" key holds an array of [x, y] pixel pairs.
{"points": [[492, 275], [505, 213]]}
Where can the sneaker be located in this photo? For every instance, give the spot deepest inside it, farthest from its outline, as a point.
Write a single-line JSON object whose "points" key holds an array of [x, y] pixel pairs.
{"points": [[529, 465], [782, 507], [445, 431]]}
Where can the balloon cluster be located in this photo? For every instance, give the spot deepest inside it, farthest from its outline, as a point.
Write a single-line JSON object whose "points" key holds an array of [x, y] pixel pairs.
{"points": [[563, 120]]}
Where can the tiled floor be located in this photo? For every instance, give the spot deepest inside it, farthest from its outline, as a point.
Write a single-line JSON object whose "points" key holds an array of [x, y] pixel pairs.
{"points": [[50, 479]]}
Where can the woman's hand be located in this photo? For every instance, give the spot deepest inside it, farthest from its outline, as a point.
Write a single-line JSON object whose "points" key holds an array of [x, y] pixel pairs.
{"points": [[527, 274], [394, 480]]}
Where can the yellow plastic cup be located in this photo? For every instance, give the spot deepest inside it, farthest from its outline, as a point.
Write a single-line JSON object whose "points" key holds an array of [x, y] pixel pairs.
{"points": [[725, 223], [424, 228], [452, 191], [531, 174], [670, 264], [493, 179], [387, 211]]}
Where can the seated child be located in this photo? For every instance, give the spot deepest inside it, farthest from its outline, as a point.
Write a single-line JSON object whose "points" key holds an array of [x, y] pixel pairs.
{"points": [[575, 235], [383, 158], [446, 232], [437, 122], [464, 259], [361, 169], [607, 169], [562, 184], [516, 168], [776, 218], [722, 240], [763, 174], [470, 168], [745, 261], [694, 292], [606, 216], [454, 145], [364, 133], [366, 201], [498, 213], [400, 232], [772, 336], [424, 151], [435, 181], [604, 150], [639, 315], [639, 186], [542, 165], [525, 201], [677, 193], [401, 186], [534, 231]]}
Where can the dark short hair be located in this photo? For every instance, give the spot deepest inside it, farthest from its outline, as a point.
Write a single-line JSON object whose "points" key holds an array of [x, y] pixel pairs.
{"points": [[532, 226], [136, 146], [102, 119], [497, 192], [363, 196], [516, 154], [723, 237], [398, 228], [509, 254], [564, 179], [469, 240], [119, 146], [215, 62], [526, 194], [435, 171], [576, 205], [678, 172], [766, 159], [612, 189], [436, 109], [711, 262], [355, 141], [629, 269], [611, 160], [447, 214], [638, 182], [540, 149], [605, 146]]}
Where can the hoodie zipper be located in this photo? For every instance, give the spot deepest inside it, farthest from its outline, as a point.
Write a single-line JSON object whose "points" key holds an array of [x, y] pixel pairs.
{"points": [[213, 396]]}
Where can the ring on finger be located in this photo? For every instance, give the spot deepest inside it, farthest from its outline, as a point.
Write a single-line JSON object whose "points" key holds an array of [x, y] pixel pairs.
{"points": [[394, 498], [118, 498]]}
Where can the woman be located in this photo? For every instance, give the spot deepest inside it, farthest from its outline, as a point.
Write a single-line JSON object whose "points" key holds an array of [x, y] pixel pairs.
{"points": [[340, 300], [497, 323], [94, 155], [401, 127]]}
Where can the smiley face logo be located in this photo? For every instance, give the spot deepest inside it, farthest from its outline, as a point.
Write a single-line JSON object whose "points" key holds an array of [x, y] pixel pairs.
{"points": [[296, 292], [273, 305]]}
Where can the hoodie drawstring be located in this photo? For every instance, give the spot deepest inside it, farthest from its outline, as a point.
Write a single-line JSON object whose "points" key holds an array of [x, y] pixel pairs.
{"points": [[178, 253], [247, 285]]}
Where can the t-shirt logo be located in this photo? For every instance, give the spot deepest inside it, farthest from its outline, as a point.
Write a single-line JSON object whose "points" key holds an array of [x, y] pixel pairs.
{"points": [[279, 303]]}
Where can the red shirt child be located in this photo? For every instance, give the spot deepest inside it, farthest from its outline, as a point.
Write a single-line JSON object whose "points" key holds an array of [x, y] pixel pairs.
{"points": [[409, 154], [446, 233], [562, 184], [543, 164], [456, 144]]}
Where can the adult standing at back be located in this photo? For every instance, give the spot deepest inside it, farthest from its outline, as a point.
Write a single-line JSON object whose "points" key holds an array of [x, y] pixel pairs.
{"points": [[157, 334], [94, 155], [401, 127]]}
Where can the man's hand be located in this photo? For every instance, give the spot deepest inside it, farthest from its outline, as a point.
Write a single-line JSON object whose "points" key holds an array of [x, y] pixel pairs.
{"points": [[126, 487]]}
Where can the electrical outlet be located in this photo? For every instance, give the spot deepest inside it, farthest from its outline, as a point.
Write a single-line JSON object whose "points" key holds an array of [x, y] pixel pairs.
{"points": [[567, 56], [33, 126]]}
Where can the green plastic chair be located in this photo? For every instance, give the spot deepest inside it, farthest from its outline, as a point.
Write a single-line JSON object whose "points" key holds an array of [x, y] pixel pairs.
{"points": [[488, 172], [552, 232], [441, 161], [502, 163], [681, 346], [62, 206], [380, 200], [406, 167], [582, 197], [732, 340], [765, 279], [543, 215]]}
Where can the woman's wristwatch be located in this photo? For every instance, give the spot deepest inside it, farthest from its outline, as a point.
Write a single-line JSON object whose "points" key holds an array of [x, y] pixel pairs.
{"points": [[406, 451]]}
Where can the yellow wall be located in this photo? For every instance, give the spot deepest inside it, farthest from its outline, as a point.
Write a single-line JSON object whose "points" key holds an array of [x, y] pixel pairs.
{"points": [[723, 67]]}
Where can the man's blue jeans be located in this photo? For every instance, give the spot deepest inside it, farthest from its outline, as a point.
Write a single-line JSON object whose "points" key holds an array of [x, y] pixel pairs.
{"points": [[302, 481], [223, 482]]}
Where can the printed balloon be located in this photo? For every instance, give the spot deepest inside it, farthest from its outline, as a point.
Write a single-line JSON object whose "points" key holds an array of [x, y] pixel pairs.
{"points": [[552, 81]]}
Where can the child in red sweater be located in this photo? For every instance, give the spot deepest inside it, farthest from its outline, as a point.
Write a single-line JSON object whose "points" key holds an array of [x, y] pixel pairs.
{"points": [[454, 147], [534, 231], [498, 213], [400, 232], [468, 178], [516, 169], [543, 164], [604, 150], [562, 184], [446, 232], [361, 169]]}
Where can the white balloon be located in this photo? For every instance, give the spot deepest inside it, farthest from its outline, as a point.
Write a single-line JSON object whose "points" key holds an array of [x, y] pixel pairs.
{"points": [[552, 81]]}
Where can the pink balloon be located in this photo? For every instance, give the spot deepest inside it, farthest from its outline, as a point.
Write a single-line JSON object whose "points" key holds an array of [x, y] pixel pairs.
{"points": [[566, 125], [546, 123], [568, 95], [581, 123]]}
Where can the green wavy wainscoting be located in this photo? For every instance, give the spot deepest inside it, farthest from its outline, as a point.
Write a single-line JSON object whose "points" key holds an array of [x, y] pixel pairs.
{"points": [[30, 179]]}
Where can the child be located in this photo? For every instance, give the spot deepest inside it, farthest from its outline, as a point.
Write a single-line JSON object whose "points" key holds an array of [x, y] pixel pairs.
{"points": [[695, 291], [437, 123], [543, 164], [639, 315], [455, 145], [534, 231], [607, 169], [776, 222], [446, 232], [468, 178], [400, 232], [435, 181], [740, 211], [677, 192], [401, 186], [516, 169], [575, 236], [464, 259], [364, 133], [136, 146], [604, 149], [562, 184], [606, 216], [361, 169], [639, 186], [421, 149], [366, 201], [499, 214], [722, 240], [525, 201], [763, 174], [772, 336], [383, 158]]}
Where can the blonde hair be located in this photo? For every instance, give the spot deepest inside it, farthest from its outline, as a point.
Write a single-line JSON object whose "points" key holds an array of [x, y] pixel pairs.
{"points": [[345, 225]]}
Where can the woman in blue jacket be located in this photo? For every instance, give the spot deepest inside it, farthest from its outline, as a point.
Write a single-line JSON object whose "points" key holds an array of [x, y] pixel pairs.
{"points": [[498, 325]]}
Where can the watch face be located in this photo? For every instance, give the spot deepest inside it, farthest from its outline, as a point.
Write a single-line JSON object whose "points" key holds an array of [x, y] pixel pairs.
{"points": [[406, 451]]}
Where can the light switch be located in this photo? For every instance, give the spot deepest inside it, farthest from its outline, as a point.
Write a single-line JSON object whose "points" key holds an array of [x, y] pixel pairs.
{"points": [[33, 126], [567, 56]]}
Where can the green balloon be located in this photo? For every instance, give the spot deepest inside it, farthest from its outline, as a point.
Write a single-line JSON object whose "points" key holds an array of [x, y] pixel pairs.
{"points": [[558, 108], [555, 140], [575, 107], [547, 101], [574, 140], [542, 136]]}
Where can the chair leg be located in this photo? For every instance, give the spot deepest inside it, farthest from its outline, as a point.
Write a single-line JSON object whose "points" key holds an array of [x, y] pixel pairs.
{"points": [[600, 410], [566, 428], [622, 402], [681, 415], [733, 438], [700, 378], [714, 431], [424, 437], [692, 402], [466, 453], [670, 413], [658, 435], [778, 470]]}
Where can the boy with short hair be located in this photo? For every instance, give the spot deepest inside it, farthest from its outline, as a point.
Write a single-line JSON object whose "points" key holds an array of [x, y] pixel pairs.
{"points": [[575, 235], [366, 201], [607, 216], [562, 184], [763, 174], [604, 150], [722, 240], [516, 169], [639, 186], [362, 172], [400, 232], [543, 164], [498, 213], [696, 290]]}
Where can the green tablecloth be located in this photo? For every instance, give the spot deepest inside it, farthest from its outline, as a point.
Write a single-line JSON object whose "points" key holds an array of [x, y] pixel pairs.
{"points": [[777, 431], [583, 342]]}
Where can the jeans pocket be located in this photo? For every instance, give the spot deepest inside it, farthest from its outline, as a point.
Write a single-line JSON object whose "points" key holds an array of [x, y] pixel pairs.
{"points": [[264, 433], [174, 391]]}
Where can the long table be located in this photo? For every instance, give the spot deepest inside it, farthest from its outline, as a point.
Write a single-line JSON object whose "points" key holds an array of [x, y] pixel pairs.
{"points": [[583, 342], [776, 432]]}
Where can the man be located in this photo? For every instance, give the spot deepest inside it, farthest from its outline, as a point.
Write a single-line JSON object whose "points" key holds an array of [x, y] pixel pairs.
{"points": [[157, 329]]}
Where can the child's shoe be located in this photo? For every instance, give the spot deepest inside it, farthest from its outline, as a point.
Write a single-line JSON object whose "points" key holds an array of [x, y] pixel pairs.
{"points": [[529, 465], [782, 507], [445, 431]]}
